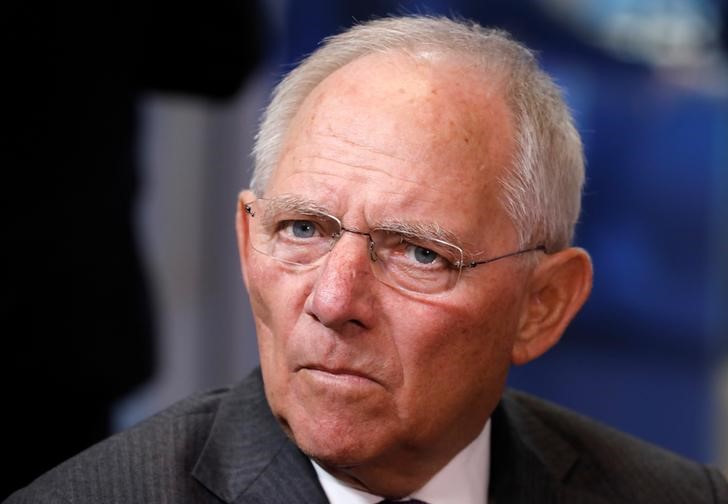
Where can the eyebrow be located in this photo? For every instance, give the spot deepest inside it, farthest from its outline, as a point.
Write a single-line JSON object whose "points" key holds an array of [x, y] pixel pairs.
{"points": [[422, 230], [290, 203]]}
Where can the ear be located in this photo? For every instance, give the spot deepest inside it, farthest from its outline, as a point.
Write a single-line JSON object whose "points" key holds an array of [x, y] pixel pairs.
{"points": [[243, 231], [559, 286]]}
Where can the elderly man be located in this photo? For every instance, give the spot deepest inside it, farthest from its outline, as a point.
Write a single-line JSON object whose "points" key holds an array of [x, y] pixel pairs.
{"points": [[405, 241]]}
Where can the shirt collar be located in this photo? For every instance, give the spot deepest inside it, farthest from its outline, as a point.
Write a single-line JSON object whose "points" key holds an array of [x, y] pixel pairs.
{"points": [[464, 480]]}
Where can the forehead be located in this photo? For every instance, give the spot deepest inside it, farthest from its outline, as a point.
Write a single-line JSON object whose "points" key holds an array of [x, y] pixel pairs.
{"points": [[427, 126]]}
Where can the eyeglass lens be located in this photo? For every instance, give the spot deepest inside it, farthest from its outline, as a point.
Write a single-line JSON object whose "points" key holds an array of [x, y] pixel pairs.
{"points": [[302, 238]]}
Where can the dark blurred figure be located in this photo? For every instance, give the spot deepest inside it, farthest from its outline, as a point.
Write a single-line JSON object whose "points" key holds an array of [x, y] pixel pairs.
{"points": [[78, 329]]}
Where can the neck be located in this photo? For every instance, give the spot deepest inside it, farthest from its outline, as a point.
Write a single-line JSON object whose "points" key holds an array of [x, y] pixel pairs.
{"points": [[383, 481], [396, 476]]}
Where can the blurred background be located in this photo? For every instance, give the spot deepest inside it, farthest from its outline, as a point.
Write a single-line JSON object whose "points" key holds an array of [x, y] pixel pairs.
{"points": [[132, 126]]}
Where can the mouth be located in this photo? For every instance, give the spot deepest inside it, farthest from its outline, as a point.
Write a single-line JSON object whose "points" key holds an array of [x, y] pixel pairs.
{"points": [[338, 374]]}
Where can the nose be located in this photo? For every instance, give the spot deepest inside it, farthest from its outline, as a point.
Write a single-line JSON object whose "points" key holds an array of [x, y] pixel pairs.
{"points": [[342, 296]]}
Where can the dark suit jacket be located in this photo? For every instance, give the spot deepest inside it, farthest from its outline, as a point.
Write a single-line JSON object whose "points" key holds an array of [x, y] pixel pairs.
{"points": [[225, 446]]}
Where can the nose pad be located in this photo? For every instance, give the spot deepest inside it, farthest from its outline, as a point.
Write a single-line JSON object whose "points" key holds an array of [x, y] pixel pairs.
{"points": [[372, 253], [342, 290]]}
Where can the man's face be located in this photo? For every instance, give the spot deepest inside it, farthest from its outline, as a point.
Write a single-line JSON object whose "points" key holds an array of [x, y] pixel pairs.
{"points": [[359, 372]]}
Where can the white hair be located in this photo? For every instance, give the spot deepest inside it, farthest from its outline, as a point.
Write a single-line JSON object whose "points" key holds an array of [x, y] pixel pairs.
{"points": [[542, 189]]}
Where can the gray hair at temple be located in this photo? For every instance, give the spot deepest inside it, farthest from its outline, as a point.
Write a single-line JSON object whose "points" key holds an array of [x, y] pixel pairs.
{"points": [[542, 190]]}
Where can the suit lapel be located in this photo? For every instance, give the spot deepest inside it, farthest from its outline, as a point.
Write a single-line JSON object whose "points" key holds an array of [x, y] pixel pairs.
{"points": [[248, 459], [289, 478], [529, 461]]}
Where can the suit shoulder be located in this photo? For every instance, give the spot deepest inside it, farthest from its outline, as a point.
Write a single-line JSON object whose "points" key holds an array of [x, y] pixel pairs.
{"points": [[158, 452], [632, 466]]}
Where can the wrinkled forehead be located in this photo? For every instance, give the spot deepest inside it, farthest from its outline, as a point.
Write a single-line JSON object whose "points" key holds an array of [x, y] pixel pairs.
{"points": [[424, 117], [456, 108]]}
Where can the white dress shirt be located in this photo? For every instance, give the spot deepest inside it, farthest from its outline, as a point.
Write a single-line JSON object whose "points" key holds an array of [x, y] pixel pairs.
{"points": [[464, 480]]}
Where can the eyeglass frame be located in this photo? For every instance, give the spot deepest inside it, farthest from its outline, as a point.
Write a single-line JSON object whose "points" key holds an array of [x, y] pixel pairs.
{"points": [[335, 237]]}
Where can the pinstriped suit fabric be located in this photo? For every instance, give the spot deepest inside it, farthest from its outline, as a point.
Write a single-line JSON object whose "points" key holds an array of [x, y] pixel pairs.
{"points": [[226, 447], [543, 453]]}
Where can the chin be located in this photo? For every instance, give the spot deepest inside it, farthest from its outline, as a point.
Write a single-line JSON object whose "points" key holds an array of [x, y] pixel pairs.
{"points": [[338, 442]]}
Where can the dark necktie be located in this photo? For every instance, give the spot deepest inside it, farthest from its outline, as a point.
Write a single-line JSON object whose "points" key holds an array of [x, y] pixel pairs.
{"points": [[408, 501]]}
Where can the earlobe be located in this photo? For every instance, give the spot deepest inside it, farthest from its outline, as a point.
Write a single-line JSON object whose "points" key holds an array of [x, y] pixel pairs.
{"points": [[242, 230], [560, 284]]}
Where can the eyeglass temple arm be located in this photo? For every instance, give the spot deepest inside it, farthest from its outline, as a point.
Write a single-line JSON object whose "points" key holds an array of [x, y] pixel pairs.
{"points": [[473, 264]]}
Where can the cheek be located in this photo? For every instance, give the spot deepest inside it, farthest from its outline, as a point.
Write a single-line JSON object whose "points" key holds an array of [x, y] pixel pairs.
{"points": [[276, 299], [455, 333], [455, 356]]}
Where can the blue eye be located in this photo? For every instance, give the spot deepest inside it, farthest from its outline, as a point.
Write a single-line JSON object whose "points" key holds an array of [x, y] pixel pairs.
{"points": [[303, 229], [424, 256]]}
